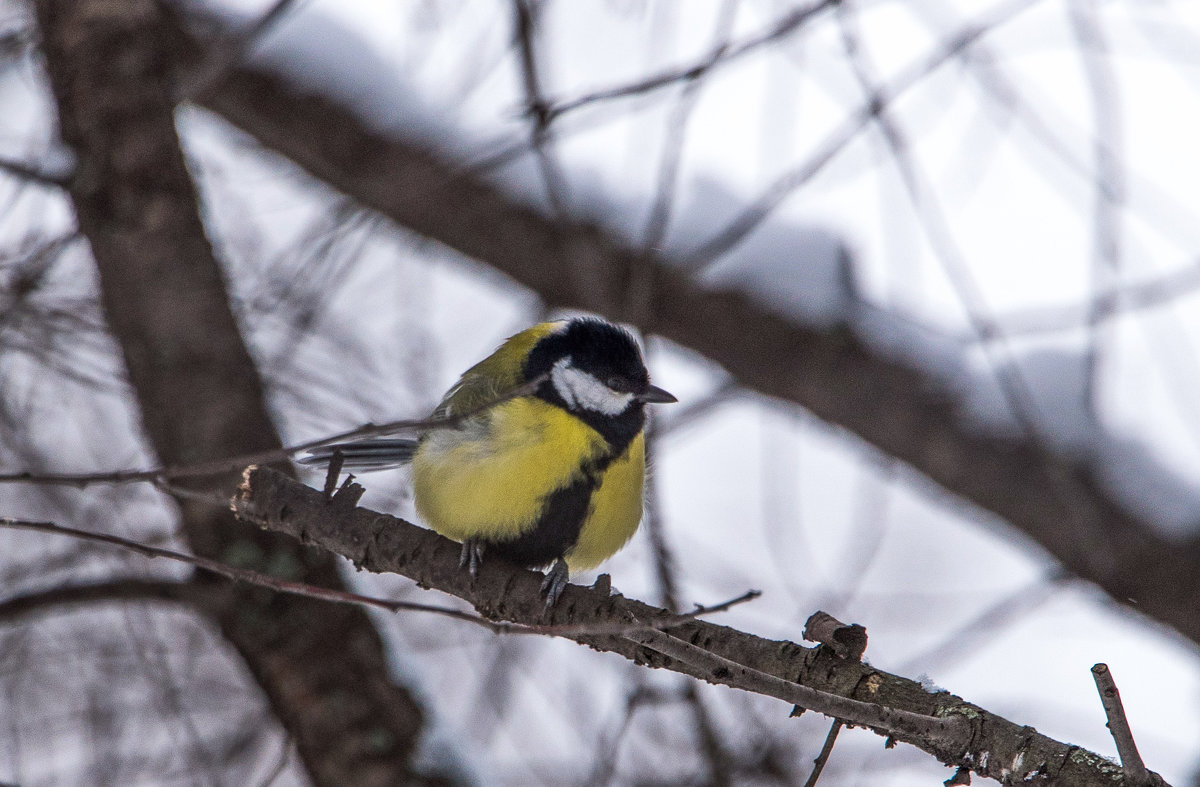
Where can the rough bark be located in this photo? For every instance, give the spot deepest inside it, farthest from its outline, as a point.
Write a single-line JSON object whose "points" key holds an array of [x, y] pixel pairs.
{"points": [[987, 744], [832, 373], [199, 393]]}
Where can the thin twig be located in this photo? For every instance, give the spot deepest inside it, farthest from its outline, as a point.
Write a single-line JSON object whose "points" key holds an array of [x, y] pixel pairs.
{"points": [[949, 730], [1108, 215], [837, 141], [33, 174], [242, 574], [959, 642], [719, 55], [624, 629], [715, 754], [1014, 385], [749, 595], [823, 757], [659, 218], [606, 751], [345, 597], [281, 764], [1135, 770], [539, 113], [696, 409], [1107, 305], [212, 498], [227, 52], [97, 592], [230, 464], [655, 527]]}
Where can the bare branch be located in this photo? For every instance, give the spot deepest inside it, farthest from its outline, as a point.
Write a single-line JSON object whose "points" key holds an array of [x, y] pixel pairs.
{"points": [[716, 755], [538, 110], [112, 591], [34, 174], [285, 754], [1106, 306], [222, 466], [823, 757], [100, 592], [838, 139], [695, 410], [949, 732], [234, 573], [944, 725], [957, 643], [941, 237], [659, 218], [1135, 770], [1109, 179], [720, 55], [655, 527]]}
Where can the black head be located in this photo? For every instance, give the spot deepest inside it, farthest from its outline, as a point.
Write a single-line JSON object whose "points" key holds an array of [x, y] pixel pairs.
{"points": [[595, 370]]}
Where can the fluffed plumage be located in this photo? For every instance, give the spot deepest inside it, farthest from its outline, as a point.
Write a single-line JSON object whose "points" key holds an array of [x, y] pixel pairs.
{"points": [[555, 477]]}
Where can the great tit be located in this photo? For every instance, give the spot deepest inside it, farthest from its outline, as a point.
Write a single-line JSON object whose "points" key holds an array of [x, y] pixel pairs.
{"points": [[553, 477]]}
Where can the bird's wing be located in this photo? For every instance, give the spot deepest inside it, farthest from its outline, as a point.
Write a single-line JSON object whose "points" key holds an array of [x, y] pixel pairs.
{"points": [[495, 375]]}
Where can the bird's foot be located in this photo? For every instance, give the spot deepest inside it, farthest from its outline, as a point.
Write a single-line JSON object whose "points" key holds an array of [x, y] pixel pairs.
{"points": [[555, 582], [472, 556]]}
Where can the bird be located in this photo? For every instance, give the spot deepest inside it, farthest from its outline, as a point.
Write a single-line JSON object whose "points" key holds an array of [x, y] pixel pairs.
{"points": [[550, 477]]}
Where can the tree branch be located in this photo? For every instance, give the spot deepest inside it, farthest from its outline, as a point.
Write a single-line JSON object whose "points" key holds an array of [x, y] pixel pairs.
{"points": [[954, 731], [1118, 725]]}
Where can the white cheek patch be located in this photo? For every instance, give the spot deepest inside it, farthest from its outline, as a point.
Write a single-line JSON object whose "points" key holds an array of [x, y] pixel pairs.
{"points": [[581, 390]]}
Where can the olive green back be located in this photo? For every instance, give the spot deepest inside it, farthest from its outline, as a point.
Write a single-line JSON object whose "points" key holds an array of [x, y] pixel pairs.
{"points": [[495, 375]]}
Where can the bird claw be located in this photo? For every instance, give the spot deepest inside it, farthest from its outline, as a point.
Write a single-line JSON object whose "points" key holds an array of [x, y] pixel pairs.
{"points": [[471, 556], [555, 582]]}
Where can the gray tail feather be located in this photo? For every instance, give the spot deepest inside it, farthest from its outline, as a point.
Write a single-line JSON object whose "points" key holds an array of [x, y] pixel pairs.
{"points": [[366, 454]]}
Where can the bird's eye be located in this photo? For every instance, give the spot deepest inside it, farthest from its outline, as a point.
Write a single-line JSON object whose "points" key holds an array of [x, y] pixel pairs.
{"points": [[616, 383]]}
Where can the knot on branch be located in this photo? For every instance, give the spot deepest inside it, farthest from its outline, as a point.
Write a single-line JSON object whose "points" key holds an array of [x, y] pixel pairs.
{"points": [[849, 641]]}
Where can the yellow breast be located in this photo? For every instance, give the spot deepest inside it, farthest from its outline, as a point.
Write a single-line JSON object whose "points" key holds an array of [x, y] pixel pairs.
{"points": [[616, 510], [489, 480]]}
